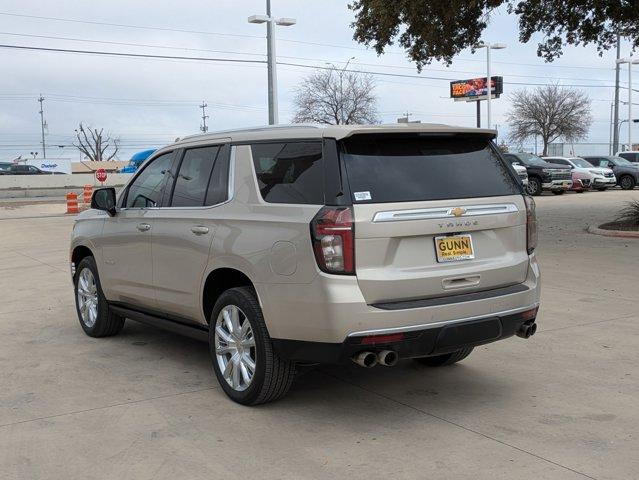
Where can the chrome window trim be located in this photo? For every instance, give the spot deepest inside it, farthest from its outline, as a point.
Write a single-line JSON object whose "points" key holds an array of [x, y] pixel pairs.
{"points": [[444, 212], [412, 328], [230, 190]]}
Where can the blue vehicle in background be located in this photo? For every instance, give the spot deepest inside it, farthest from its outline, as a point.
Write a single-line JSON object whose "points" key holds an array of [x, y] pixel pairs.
{"points": [[136, 160]]}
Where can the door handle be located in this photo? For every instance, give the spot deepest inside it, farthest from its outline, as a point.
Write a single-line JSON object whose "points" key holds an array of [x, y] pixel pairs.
{"points": [[143, 227], [200, 230]]}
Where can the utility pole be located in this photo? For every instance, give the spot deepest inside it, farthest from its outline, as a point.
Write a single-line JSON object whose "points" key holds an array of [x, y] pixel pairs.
{"points": [[630, 61], [615, 129], [203, 127], [42, 125]]}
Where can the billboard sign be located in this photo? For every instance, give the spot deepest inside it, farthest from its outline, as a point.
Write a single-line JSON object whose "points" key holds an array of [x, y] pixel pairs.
{"points": [[476, 88], [61, 165]]}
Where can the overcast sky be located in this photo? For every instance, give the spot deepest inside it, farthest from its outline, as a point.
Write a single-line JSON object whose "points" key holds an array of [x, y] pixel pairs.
{"points": [[150, 102]]}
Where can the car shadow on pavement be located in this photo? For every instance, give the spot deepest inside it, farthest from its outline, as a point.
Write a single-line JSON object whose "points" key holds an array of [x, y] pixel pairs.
{"points": [[408, 383]]}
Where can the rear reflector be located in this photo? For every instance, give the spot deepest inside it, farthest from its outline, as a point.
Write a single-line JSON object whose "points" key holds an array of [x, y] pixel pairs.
{"points": [[375, 339], [530, 314]]}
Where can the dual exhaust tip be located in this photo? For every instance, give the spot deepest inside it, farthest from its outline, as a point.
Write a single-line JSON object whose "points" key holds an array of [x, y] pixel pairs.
{"points": [[388, 358], [527, 330]]}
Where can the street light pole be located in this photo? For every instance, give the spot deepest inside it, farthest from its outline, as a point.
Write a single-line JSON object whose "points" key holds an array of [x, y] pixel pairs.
{"points": [[273, 118], [630, 61], [489, 78]]}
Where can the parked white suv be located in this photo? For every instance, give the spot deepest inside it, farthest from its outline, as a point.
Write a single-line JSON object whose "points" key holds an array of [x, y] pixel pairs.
{"points": [[302, 244], [600, 178]]}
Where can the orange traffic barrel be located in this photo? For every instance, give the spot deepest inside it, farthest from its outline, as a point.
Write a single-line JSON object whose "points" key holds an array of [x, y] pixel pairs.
{"points": [[72, 203], [88, 191]]}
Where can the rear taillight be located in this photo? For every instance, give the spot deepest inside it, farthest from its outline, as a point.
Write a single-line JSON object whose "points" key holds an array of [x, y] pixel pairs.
{"points": [[531, 225], [332, 235]]}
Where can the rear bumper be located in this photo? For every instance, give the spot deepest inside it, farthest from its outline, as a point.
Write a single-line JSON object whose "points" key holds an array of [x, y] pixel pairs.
{"points": [[430, 340], [332, 309]]}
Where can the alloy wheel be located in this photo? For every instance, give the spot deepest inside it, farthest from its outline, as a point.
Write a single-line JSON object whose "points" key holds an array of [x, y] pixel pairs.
{"points": [[234, 345], [87, 297]]}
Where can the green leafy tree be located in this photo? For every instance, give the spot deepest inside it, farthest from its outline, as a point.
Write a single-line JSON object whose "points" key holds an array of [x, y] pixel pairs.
{"points": [[439, 29]]}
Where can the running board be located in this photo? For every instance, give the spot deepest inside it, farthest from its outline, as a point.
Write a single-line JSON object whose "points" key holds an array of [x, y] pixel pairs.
{"points": [[195, 331]]}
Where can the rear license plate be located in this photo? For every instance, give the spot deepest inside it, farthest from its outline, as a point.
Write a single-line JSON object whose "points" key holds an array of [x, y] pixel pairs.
{"points": [[454, 247]]}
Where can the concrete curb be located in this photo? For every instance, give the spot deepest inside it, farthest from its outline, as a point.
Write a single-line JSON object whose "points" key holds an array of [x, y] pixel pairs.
{"points": [[613, 233]]}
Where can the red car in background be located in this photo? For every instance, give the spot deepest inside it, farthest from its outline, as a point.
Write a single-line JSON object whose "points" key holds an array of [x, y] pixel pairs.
{"points": [[581, 181]]}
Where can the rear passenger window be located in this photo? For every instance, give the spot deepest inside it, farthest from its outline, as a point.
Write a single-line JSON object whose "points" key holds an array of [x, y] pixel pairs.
{"points": [[193, 176], [290, 172], [219, 183]]}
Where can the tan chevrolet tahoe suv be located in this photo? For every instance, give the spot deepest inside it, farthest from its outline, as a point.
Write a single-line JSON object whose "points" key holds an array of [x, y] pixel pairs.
{"points": [[297, 245]]}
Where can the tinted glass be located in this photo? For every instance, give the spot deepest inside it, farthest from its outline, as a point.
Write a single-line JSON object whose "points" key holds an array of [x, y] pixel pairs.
{"points": [[580, 162], [631, 156], [290, 172], [147, 189], [530, 159], [557, 161], [218, 184], [404, 169], [193, 177], [621, 161]]}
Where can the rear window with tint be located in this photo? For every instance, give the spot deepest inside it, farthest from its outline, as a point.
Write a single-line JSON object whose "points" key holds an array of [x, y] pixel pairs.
{"points": [[405, 169], [289, 172]]}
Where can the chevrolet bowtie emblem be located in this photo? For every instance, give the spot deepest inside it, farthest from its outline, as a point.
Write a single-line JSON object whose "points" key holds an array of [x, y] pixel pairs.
{"points": [[457, 211]]}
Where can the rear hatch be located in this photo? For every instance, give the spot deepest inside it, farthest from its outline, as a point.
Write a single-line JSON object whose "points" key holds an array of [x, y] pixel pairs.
{"points": [[415, 195]]}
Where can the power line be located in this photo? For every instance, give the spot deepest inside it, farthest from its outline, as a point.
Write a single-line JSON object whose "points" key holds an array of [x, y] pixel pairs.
{"points": [[302, 42], [236, 60], [173, 47]]}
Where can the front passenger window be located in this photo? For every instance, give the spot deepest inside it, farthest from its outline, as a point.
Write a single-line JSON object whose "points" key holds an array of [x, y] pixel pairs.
{"points": [[147, 189]]}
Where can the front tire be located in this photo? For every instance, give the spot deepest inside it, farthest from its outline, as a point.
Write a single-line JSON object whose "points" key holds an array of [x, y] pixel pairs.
{"points": [[559, 192], [602, 189], [627, 182], [445, 359], [534, 186], [247, 368], [95, 316]]}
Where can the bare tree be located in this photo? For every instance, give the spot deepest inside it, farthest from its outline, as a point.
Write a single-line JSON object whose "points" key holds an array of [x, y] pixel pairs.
{"points": [[94, 143], [336, 97], [551, 112]]}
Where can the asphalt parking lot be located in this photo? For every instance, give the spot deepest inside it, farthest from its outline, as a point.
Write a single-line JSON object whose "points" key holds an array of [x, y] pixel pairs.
{"points": [[146, 405]]}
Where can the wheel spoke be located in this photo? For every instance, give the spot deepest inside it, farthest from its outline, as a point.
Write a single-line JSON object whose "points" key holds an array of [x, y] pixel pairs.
{"points": [[246, 376], [223, 350], [223, 334], [227, 320], [235, 320], [248, 362], [236, 371]]}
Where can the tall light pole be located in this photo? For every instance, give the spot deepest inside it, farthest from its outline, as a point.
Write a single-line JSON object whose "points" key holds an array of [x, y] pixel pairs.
{"points": [[271, 59], [43, 124], [630, 61], [489, 80]]}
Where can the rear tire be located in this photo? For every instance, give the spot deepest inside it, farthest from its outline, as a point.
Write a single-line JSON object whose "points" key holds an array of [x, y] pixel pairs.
{"points": [[446, 359], [558, 192], [534, 186], [95, 316], [602, 189], [627, 182], [256, 373]]}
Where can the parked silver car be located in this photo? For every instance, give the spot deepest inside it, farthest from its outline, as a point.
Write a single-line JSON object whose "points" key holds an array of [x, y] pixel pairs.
{"points": [[300, 245]]}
